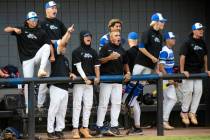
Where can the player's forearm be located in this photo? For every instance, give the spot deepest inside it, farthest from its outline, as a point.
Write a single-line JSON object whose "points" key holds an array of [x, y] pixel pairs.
{"points": [[205, 63], [105, 59], [162, 69], [97, 71], [126, 68], [145, 52], [9, 29], [182, 63]]}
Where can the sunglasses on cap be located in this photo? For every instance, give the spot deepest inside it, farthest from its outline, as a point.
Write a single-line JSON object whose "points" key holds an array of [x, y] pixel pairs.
{"points": [[34, 19]]}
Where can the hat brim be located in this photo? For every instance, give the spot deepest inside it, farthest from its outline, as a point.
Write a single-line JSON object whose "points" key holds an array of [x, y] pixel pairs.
{"points": [[163, 20]]}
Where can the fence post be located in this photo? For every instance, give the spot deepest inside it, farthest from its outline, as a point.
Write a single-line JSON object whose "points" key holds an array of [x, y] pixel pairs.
{"points": [[31, 116], [160, 131]]}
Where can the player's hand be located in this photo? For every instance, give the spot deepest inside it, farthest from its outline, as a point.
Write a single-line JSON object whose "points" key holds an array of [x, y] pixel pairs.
{"points": [[208, 72], [71, 28], [186, 73], [171, 82], [114, 55], [72, 76], [154, 59], [127, 77], [87, 81], [17, 31], [96, 81]]}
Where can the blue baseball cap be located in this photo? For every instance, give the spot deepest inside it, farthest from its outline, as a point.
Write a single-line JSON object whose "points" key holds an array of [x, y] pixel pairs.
{"points": [[197, 26], [31, 14], [169, 35], [50, 4], [133, 36], [158, 17]]}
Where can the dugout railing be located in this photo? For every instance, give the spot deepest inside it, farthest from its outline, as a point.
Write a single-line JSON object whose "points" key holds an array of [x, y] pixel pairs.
{"points": [[113, 78]]}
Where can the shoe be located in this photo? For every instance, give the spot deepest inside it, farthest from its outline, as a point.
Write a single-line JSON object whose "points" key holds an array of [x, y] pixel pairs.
{"points": [[115, 131], [59, 134], [167, 126], [42, 73], [185, 118], [85, 132], [52, 136], [193, 118], [135, 131], [75, 134]]}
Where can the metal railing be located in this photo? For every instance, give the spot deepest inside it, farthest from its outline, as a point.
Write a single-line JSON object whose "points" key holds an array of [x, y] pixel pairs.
{"points": [[111, 78]]}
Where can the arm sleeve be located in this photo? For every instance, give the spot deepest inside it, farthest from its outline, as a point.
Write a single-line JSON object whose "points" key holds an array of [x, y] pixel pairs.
{"points": [[205, 49], [80, 69], [63, 29], [163, 57], [183, 49], [45, 38], [96, 59], [103, 52], [125, 57], [103, 41], [144, 40]]}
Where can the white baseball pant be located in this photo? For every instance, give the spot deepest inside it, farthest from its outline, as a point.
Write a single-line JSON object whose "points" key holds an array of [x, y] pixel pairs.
{"points": [[170, 99], [192, 92], [139, 69], [82, 92], [113, 92], [41, 58], [57, 109]]}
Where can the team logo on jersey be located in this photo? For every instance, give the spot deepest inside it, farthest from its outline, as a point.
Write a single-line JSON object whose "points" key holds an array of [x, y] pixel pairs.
{"points": [[156, 39], [31, 36], [196, 48], [87, 55], [53, 27]]}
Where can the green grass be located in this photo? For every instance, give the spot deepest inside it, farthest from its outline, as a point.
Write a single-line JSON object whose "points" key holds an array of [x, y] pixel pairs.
{"points": [[158, 138]]}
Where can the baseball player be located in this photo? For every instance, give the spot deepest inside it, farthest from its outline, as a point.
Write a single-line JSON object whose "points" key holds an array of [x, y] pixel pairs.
{"points": [[85, 63], [58, 35], [147, 58], [166, 65], [58, 93], [193, 58], [114, 24], [113, 62], [33, 47], [132, 54]]}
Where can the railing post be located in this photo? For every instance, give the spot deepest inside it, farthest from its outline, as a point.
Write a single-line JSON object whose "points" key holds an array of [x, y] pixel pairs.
{"points": [[31, 116], [160, 131]]}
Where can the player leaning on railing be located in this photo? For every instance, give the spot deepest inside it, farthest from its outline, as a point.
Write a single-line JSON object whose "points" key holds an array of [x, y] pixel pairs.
{"points": [[193, 58]]}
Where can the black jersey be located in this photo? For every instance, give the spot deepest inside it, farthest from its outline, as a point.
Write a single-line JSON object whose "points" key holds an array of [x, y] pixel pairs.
{"points": [[113, 67], [60, 68], [54, 28], [132, 54], [30, 41], [194, 51], [88, 58], [152, 41]]}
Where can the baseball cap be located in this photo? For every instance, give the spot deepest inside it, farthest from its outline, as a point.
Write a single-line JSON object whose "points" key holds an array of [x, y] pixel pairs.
{"points": [[197, 26], [169, 35], [31, 15], [158, 17], [50, 4], [133, 36]]}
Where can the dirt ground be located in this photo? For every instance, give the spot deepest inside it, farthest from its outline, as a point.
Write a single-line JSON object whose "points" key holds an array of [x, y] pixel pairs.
{"points": [[191, 131]]}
